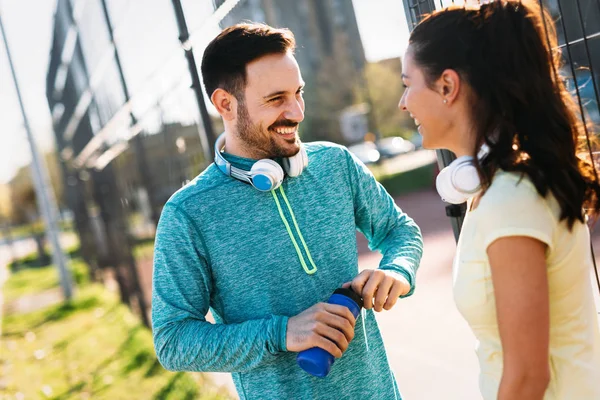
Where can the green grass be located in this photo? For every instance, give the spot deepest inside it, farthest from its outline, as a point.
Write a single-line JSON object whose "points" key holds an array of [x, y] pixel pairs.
{"points": [[37, 227], [27, 229], [90, 348], [409, 181], [27, 281], [32, 260]]}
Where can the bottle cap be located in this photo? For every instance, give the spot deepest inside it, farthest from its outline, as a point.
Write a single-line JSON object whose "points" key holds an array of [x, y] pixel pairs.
{"points": [[351, 294]]}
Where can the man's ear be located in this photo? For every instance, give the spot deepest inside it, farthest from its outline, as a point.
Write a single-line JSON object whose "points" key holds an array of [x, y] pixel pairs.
{"points": [[449, 86], [225, 103]]}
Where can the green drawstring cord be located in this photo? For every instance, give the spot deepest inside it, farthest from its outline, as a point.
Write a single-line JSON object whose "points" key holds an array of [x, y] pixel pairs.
{"points": [[289, 230], [298, 230]]}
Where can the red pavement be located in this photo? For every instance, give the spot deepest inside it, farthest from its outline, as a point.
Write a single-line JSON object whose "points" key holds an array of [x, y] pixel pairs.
{"points": [[430, 346]]}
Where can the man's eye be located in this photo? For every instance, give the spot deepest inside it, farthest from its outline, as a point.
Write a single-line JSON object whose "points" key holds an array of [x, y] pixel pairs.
{"points": [[274, 99]]}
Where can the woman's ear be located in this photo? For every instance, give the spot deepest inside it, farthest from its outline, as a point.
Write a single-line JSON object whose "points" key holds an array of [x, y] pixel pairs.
{"points": [[225, 103], [448, 86]]}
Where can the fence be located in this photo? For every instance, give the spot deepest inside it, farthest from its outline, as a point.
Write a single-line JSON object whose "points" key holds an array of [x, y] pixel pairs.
{"points": [[578, 30]]}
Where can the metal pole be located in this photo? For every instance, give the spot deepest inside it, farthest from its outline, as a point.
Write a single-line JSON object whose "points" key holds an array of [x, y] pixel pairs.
{"points": [[143, 170], [139, 145], [45, 197], [208, 138], [456, 212]]}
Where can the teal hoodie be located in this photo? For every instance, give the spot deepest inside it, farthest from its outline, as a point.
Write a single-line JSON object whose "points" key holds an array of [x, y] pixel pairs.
{"points": [[225, 246]]}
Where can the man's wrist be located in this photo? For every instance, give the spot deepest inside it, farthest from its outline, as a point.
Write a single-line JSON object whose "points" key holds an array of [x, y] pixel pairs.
{"points": [[405, 283], [402, 276]]}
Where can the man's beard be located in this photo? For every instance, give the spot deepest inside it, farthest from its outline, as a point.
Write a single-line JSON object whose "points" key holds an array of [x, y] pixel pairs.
{"points": [[263, 140]]}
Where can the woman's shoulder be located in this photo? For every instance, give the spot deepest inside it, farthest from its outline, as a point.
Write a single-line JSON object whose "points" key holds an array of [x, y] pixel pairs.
{"points": [[513, 190], [509, 184]]}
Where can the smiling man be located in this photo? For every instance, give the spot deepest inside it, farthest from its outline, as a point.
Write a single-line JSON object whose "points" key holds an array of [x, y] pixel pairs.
{"points": [[264, 235]]}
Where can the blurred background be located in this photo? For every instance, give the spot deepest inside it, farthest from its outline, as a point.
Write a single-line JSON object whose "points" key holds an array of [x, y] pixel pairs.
{"points": [[110, 119]]}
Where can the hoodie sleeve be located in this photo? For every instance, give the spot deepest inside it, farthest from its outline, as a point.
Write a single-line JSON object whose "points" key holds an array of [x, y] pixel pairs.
{"points": [[386, 227], [182, 287]]}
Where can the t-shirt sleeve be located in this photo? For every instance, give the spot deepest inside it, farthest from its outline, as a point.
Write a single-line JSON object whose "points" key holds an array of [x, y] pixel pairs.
{"points": [[513, 207]]}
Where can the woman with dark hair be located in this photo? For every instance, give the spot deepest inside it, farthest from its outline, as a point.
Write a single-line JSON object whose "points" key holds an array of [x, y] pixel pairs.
{"points": [[482, 82]]}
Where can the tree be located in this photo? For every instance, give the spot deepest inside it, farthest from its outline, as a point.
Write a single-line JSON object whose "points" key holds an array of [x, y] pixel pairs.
{"points": [[27, 206], [23, 199], [21, 189], [384, 82], [6, 207]]}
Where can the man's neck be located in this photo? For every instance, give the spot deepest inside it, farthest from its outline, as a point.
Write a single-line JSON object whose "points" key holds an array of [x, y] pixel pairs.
{"points": [[236, 147]]}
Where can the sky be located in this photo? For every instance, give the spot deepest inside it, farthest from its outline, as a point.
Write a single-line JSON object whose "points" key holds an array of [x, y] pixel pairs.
{"points": [[29, 40], [381, 23]]}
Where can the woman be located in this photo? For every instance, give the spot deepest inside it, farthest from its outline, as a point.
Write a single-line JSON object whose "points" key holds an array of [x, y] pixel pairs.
{"points": [[482, 83]]}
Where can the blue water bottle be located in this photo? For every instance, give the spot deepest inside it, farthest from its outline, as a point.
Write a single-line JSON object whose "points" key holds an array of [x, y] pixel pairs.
{"points": [[317, 361]]}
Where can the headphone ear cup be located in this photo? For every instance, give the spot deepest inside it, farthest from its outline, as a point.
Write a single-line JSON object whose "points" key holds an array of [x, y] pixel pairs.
{"points": [[445, 188], [459, 181], [266, 175], [295, 165], [465, 178]]}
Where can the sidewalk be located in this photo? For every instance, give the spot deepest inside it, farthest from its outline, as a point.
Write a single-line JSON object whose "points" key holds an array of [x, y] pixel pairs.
{"points": [[22, 248], [429, 345]]}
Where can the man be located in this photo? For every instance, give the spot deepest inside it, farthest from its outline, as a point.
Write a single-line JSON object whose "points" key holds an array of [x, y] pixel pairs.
{"points": [[265, 252]]}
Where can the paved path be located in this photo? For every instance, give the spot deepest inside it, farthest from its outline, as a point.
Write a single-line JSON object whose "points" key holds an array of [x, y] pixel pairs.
{"points": [[430, 347], [18, 249]]}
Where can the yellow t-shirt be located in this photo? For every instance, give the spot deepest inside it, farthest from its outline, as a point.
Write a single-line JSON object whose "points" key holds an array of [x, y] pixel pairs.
{"points": [[512, 207]]}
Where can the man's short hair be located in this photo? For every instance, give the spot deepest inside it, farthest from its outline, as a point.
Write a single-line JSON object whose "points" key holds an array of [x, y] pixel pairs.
{"points": [[225, 58]]}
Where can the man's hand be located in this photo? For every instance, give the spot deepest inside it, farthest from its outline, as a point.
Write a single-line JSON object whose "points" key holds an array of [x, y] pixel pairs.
{"points": [[379, 288], [328, 326]]}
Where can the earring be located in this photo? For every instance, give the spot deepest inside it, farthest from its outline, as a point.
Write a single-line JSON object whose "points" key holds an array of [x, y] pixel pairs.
{"points": [[445, 101]]}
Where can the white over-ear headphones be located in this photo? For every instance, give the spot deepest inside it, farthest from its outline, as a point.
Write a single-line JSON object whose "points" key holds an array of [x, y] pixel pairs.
{"points": [[460, 181], [265, 174]]}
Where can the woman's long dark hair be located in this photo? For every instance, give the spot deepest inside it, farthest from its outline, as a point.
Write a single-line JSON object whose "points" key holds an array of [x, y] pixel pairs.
{"points": [[521, 108]]}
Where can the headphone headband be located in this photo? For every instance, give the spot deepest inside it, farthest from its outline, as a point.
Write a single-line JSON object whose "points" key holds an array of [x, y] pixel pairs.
{"points": [[225, 166], [265, 174]]}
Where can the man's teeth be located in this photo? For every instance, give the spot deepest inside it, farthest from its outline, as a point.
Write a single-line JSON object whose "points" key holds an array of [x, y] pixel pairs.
{"points": [[417, 123], [285, 131]]}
